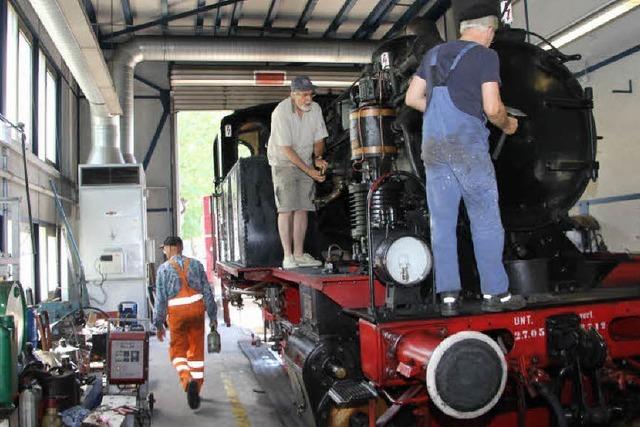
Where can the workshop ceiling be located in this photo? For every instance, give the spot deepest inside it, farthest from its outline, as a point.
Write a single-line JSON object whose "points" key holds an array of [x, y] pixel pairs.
{"points": [[117, 20]]}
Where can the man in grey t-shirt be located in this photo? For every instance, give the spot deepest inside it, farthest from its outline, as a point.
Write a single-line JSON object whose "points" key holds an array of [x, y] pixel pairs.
{"points": [[295, 149]]}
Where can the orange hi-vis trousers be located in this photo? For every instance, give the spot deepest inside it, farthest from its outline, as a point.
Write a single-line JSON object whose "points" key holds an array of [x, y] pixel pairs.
{"points": [[186, 327]]}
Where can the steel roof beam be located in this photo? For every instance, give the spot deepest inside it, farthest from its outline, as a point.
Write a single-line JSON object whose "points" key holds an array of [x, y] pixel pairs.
{"points": [[170, 18], [375, 18], [271, 14], [91, 11], [218, 20], [340, 18], [436, 10], [164, 5], [306, 15], [126, 11], [200, 18], [406, 17], [91, 14], [235, 17]]}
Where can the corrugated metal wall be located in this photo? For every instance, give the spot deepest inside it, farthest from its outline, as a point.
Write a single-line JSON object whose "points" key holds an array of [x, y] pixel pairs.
{"points": [[231, 88]]}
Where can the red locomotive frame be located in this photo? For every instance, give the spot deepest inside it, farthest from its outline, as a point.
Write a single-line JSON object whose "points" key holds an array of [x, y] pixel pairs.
{"points": [[387, 366]]}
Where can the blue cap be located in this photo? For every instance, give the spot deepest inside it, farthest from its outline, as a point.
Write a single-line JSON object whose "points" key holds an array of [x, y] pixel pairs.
{"points": [[172, 241], [302, 83]]}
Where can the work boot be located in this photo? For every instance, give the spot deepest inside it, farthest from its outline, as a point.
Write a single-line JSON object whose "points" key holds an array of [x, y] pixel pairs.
{"points": [[449, 304], [193, 397], [502, 302], [306, 260], [289, 262]]}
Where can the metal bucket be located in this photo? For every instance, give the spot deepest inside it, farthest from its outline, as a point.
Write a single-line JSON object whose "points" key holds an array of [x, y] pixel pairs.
{"points": [[528, 276]]}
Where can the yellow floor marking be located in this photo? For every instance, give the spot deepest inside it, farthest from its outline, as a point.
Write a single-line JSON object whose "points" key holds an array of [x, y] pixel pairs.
{"points": [[242, 419]]}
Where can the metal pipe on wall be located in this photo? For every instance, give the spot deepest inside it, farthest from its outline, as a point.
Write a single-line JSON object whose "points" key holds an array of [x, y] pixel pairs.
{"points": [[189, 49], [68, 27], [105, 147]]}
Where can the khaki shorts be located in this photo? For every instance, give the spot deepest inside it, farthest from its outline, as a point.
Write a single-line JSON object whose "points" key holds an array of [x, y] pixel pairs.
{"points": [[294, 190]]}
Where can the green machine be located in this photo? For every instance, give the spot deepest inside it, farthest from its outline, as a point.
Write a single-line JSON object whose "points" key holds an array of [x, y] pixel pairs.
{"points": [[8, 362], [13, 328], [13, 303]]}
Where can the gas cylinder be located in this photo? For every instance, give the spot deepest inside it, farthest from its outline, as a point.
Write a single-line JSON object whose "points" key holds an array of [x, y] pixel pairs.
{"points": [[8, 362], [29, 403], [51, 417]]}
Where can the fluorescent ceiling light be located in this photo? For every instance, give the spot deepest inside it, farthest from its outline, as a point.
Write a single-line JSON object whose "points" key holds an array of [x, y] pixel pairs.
{"points": [[251, 82], [592, 21]]}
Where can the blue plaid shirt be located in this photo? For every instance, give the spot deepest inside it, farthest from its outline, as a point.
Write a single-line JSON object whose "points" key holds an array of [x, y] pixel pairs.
{"points": [[168, 286]]}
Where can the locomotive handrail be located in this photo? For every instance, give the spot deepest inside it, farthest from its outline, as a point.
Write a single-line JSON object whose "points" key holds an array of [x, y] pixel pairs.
{"points": [[374, 187], [556, 52]]}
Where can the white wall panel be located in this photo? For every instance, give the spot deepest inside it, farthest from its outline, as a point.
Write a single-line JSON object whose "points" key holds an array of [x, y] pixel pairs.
{"points": [[616, 117], [547, 17]]}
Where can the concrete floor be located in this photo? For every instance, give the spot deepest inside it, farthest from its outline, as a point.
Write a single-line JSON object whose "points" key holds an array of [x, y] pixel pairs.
{"points": [[231, 396]]}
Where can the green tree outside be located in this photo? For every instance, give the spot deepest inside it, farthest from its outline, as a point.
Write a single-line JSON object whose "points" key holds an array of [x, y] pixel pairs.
{"points": [[196, 133]]}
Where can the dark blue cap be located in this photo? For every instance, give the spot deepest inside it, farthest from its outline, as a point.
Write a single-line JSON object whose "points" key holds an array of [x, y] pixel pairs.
{"points": [[476, 9], [172, 241], [302, 83]]}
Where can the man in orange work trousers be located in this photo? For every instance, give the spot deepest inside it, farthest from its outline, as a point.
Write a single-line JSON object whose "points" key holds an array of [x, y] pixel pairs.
{"points": [[183, 292]]}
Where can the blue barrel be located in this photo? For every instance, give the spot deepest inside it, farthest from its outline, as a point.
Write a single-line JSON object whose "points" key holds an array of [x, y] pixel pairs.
{"points": [[8, 362]]}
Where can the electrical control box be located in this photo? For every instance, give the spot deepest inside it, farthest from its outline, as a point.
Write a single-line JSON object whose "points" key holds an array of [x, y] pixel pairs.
{"points": [[127, 357], [112, 262]]}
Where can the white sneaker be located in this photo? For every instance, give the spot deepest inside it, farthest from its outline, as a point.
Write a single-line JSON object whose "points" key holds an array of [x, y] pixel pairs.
{"points": [[307, 260], [289, 262]]}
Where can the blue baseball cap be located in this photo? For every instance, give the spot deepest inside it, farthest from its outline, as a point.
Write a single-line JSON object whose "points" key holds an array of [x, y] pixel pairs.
{"points": [[172, 241], [302, 83]]}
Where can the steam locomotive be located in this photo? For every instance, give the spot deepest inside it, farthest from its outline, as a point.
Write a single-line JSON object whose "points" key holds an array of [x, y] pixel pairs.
{"points": [[361, 337]]}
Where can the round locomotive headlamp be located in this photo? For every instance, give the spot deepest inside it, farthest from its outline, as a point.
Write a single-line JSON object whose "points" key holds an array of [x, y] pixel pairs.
{"points": [[403, 260]]}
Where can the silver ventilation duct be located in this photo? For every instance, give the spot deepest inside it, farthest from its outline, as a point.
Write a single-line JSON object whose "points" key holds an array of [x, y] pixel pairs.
{"points": [[189, 49], [68, 27], [105, 129]]}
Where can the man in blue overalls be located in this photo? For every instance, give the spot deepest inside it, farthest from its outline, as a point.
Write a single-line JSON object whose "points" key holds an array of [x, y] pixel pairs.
{"points": [[457, 88]]}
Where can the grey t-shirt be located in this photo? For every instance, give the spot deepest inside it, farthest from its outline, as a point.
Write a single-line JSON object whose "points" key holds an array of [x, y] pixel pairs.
{"points": [[478, 66], [289, 129]]}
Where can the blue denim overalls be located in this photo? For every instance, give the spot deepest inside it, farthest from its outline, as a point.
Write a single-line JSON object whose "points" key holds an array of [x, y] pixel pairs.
{"points": [[455, 151]]}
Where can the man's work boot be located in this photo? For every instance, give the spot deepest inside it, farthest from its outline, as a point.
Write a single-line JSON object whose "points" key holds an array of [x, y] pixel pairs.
{"points": [[502, 302], [193, 396], [449, 304]]}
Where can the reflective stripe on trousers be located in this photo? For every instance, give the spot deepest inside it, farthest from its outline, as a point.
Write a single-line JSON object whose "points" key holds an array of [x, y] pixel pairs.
{"points": [[186, 329], [455, 152]]}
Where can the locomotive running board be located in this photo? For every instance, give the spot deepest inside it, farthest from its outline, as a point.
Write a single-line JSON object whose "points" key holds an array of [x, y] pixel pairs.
{"points": [[348, 392]]}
